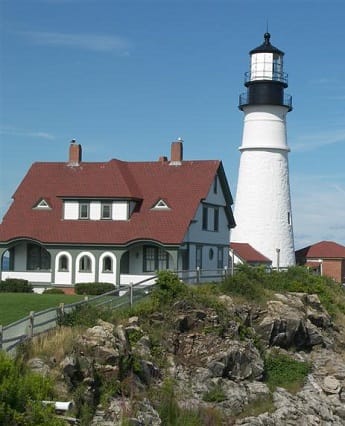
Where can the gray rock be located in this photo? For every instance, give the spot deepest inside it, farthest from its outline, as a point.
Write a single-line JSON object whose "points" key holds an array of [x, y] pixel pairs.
{"points": [[331, 385], [37, 365]]}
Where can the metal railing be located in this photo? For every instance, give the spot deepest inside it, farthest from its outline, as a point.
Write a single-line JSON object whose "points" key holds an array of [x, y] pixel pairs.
{"points": [[36, 323], [244, 100], [270, 75]]}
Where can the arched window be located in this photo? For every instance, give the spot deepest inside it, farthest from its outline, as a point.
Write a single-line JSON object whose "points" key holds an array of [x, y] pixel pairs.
{"points": [[63, 263], [107, 264], [85, 264], [38, 258]]}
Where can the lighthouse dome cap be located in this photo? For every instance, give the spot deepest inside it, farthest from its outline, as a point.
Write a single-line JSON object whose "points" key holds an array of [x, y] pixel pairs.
{"points": [[266, 46]]}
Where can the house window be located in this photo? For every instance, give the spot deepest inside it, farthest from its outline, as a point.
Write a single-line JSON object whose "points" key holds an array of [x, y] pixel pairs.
{"points": [[38, 258], [216, 219], [84, 210], [106, 211], [198, 257], [85, 264], [107, 264], [161, 204], [220, 258], [211, 254], [42, 204], [63, 263], [155, 259], [204, 218], [207, 223]]}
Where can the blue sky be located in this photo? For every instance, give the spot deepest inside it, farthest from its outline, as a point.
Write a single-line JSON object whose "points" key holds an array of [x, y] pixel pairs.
{"points": [[127, 77]]}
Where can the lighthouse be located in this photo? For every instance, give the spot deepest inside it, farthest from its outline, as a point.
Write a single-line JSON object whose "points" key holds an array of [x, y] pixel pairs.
{"points": [[263, 203]]}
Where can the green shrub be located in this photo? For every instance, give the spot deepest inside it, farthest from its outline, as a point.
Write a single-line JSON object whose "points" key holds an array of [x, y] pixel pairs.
{"points": [[168, 288], [282, 371], [21, 393], [93, 289], [255, 284], [248, 282], [15, 285], [85, 316], [53, 291], [214, 394], [172, 415]]}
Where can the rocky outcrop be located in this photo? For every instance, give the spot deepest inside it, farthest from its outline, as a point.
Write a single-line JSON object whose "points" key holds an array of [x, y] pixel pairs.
{"points": [[213, 361], [294, 320]]}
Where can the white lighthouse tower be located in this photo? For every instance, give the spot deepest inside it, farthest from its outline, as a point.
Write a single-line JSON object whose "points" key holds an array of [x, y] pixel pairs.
{"points": [[263, 204]]}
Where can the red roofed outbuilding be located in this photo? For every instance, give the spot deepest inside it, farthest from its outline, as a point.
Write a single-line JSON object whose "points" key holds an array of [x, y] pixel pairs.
{"points": [[245, 253], [114, 221], [325, 257]]}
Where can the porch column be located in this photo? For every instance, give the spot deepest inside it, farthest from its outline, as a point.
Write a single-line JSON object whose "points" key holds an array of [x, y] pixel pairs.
{"points": [[118, 255], [174, 254], [2, 251]]}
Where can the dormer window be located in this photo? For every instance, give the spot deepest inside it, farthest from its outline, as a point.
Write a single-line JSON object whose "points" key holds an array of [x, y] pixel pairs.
{"points": [[106, 211], [84, 210], [160, 205], [42, 204]]}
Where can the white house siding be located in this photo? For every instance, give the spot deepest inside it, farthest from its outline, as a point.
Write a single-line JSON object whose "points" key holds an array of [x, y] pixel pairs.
{"points": [[107, 277], [31, 276], [120, 210], [95, 210], [63, 277], [71, 210]]}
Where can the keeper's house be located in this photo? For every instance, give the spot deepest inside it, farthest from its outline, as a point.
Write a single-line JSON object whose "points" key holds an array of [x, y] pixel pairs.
{"points": [[116, 221]]}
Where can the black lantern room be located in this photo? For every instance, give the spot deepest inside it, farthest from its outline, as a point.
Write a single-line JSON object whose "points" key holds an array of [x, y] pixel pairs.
{"points": [[266, 79]]}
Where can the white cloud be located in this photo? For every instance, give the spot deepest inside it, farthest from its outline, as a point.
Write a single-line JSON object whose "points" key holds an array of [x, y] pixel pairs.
{"points": [[99, 43], [11, 131], [317, 140]]}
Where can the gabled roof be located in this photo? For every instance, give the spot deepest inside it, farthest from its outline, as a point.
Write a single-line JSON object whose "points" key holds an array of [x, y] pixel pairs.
{"points": [[183, 187], [247, 253], [322, 250]]}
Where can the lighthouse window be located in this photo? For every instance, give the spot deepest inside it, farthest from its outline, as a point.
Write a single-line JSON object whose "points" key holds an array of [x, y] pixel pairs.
{"points": [[289, 218]]}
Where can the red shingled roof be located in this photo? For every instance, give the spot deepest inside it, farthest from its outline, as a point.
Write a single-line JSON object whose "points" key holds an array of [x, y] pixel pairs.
{"points": [[322, 250], [247, 253], [182, 187]]}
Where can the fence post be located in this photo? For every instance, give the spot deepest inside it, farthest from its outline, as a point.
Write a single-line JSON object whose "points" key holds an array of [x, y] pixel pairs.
{"points": [[31, 325], [131, 294], [198, 274], [232, 261], [1, 337], [61, 313]]}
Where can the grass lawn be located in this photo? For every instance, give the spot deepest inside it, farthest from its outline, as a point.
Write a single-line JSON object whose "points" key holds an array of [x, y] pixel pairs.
{"points": [[14, 306]]}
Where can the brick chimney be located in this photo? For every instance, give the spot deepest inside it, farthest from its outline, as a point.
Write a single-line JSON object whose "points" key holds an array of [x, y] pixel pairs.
{"points": [[75, 152], [176, 152]]}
